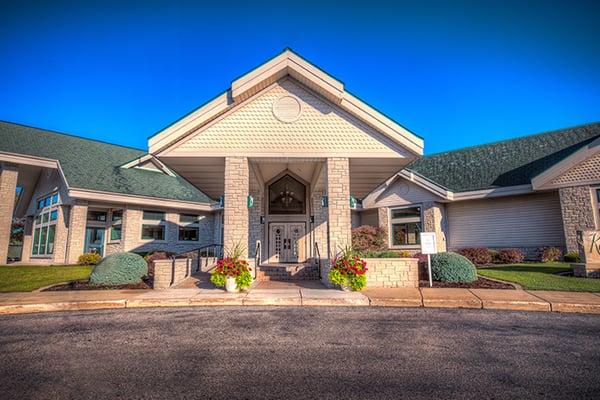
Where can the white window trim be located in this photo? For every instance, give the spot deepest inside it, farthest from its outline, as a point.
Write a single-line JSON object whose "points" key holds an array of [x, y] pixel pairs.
{"points": [[40, 212], [390, 238]]}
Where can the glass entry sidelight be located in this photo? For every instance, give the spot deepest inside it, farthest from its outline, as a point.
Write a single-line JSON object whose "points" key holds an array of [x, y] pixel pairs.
{"points": [[287, 242], [94, 240]]}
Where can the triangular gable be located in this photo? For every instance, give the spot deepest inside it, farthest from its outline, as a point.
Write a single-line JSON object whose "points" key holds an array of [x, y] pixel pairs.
{"points": [[286, 64], [581, 168], [288, 117], [150, 163]]}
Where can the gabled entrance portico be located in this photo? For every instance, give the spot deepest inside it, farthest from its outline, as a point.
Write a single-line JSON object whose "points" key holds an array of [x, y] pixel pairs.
{"points": [[286, 148]]}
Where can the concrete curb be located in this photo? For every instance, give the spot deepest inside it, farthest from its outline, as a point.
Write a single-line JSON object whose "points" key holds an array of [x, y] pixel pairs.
{"points": [[517, 300]]}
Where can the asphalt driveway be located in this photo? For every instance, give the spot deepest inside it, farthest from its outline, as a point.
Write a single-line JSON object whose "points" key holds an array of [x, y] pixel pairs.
{"points": [[280, 353]]}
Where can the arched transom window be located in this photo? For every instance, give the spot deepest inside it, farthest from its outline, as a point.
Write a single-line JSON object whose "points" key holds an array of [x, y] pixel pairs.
{"points": [[287, 196]]}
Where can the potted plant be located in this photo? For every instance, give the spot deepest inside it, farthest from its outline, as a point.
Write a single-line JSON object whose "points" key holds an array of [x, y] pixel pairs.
{"points": [[232, 272], [348, 271]]}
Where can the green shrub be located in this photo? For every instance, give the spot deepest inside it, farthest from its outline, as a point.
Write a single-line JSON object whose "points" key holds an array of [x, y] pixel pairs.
{"points": [[452, 267], [119, 269], [572, 256], [218, 279], [89, 259], [549, 254], [385, 254], [368, 238]]}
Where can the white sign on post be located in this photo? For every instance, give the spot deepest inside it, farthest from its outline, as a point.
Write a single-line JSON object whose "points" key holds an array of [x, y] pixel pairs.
{"points": [[429, 247]]}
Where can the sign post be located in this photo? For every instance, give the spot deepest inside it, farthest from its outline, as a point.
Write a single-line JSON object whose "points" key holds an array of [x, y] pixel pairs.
{"points": [[429, 247]]}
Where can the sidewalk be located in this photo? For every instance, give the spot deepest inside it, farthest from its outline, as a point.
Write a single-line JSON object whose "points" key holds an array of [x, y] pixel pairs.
{"points": [[308, 295]]}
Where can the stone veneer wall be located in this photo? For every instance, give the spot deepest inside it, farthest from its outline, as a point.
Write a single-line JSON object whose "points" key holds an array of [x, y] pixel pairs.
{"points": [[235, 210], [61, 236], [384, 222], [76, 235], [577, 210], [338, 193], [319, 227], [434, 215], [392, 272], [8, 186], [169, 273], [255, 228]]}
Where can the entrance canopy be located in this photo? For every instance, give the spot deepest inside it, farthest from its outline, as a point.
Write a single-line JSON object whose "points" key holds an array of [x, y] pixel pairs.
{"points": [[286, 110]]}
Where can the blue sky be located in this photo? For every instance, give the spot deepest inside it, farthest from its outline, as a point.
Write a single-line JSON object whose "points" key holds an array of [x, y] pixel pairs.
{"points": [[456, 73]]}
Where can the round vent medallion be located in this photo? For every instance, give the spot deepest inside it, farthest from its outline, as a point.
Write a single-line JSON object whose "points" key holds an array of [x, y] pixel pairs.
{"points": [[287, 108], [403, 189]]}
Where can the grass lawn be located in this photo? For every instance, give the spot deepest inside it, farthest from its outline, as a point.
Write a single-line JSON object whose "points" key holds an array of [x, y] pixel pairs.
{"points": [[541, 276], [25, 278]]}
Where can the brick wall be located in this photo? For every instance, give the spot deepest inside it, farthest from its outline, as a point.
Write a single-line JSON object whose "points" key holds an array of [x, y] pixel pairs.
{"points": [[235, 211], [338, 192], [577, 213], [8, 186], [392, 272]]}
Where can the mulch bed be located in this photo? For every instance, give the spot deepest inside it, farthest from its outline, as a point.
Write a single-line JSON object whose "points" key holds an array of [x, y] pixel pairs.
{"points": [[146, 283], [480, 283]]}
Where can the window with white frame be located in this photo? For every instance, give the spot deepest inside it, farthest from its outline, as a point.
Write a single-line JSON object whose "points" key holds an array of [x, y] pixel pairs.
{"points": [[44, 225], [405, 226], [153, 227], [189, 229]]}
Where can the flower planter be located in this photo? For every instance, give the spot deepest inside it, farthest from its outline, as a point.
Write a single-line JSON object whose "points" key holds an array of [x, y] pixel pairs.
{"points": [[231, 285]]}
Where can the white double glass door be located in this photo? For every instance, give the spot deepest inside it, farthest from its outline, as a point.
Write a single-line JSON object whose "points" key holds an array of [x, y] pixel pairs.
{"points": [[287, 242]]}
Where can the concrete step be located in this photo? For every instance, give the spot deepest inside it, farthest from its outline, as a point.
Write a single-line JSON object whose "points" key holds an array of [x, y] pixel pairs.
{"points": [[287, 272]]}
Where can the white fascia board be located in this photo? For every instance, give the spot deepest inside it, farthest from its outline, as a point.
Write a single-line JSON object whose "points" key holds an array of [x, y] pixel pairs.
{"points": [[192, 121], [24, 159], [426, 184], [148, 157], [382, 123], [542, 181], [494, 192], [111, 197]]}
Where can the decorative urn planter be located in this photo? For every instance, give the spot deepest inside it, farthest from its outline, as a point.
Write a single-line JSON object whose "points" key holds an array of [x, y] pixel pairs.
{"points": [[231, 285]]}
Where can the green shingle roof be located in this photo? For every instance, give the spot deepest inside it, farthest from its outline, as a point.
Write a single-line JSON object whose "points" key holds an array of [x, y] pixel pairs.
{"points": [[506, 163], [95, 165]]}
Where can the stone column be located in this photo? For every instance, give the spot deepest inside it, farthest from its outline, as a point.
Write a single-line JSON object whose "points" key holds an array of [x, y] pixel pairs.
{"points": [[61, 236], [8, 189], [383, 219], [131, 228], [338, 193], [319, 227], [76, 235], [27, 239], [577, 209], [235, 210], [433, 221]]}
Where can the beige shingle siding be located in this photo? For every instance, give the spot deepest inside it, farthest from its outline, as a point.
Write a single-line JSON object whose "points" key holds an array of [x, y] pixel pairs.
{"points": [[517, 221]]}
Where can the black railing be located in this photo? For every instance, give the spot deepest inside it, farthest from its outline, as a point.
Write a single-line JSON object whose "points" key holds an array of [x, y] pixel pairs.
{"points": [[208, 250], [318, 259], [257, 259]]}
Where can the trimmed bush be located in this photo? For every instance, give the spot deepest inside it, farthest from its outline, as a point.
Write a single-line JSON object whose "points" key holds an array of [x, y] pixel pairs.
{"points": [[572, 256], [119, 269], [452, 267], [510, 256], [368, 238], [549, 254], [477, 255], [385, 254], [89, 259]]}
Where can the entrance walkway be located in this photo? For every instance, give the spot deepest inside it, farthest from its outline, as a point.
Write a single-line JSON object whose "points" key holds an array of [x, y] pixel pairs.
{"points": [[301, 294]]}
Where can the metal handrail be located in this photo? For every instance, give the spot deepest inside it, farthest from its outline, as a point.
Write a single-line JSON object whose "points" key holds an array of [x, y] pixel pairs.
{"points": [[318, 258], [199, 250], [257, 260]]}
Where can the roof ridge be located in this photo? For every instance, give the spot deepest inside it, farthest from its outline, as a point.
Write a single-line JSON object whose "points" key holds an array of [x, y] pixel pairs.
{"points": [[72, 135], [512, 139]]}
